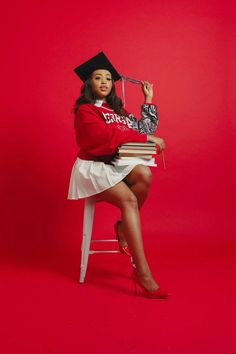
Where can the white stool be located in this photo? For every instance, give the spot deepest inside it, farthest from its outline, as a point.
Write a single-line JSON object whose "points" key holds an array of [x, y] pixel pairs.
{"points": [[89, 208]]}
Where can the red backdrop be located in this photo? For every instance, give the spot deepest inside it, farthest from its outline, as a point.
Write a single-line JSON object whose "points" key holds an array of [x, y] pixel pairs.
{"points": [[187, 49]]}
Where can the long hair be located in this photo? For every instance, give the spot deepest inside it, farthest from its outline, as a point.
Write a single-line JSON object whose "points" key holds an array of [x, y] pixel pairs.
{"points": [[87, 96]]}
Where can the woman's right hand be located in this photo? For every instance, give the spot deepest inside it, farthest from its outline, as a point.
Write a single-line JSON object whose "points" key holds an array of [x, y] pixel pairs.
{"points": [[159, 141]]}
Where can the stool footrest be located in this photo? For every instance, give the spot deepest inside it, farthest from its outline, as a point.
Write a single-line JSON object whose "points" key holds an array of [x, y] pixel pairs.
{"points": [[113, 240], [88, 218], [103, 251]]}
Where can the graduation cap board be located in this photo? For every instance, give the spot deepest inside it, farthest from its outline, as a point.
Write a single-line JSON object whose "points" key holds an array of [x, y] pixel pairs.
{"points": [[100, 61]]}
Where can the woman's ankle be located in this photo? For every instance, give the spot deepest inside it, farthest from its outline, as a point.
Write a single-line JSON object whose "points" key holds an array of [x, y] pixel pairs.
{"points": [[147, 281], [121, 237], [120, 230]]}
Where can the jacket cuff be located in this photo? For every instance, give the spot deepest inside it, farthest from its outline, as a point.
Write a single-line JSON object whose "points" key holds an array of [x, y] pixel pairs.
{"points": [[149, 104]]}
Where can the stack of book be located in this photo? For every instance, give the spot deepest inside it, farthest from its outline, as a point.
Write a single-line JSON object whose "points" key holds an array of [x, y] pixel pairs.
{"points": [[136, 153]]}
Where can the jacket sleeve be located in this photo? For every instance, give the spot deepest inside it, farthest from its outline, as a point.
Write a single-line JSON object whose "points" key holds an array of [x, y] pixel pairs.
{"points": [[149, 119], [98, 138]]}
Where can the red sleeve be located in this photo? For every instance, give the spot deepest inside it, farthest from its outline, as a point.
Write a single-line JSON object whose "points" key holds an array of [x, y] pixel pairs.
{"points": [[98, 138]]}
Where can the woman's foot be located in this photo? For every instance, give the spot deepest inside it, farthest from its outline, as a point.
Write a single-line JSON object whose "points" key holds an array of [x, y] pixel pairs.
{"points": [[147, 281], [148, 285], [123, 246]]}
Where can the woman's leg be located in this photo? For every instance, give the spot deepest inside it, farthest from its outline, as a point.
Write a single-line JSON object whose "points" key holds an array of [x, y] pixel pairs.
{"points": [[138, 180], [122, 196]]}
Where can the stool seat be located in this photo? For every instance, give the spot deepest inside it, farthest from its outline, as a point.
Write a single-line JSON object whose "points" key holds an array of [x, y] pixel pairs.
{"points": [[89, 208]]}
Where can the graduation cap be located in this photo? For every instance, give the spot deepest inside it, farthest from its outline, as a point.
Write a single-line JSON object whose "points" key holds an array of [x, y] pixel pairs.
{"points": [[100, 61]]}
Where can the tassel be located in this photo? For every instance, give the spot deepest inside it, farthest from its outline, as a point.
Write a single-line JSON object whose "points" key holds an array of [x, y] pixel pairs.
{"points": [[129, 79]]}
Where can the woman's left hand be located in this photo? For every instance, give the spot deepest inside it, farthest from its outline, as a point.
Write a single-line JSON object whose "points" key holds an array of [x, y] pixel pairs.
{"points": [[147, 89]]}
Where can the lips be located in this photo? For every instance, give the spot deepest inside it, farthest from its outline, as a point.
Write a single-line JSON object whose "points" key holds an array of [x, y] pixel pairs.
{"points": [[102, 88]]}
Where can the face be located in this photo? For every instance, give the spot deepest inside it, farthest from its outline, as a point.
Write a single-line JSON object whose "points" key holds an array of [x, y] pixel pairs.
{"points": [[101, 82]]}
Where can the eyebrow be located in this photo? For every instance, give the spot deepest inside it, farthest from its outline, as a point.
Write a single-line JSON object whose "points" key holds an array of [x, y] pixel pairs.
{"points": [[102, 74]]}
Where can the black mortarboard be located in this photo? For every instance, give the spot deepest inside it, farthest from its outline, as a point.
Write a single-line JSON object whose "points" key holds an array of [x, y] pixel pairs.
{"points": [[99, 61]]}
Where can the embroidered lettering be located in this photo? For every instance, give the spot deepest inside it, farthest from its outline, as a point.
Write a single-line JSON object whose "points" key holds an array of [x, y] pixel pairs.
{"points": [[113, 117]]}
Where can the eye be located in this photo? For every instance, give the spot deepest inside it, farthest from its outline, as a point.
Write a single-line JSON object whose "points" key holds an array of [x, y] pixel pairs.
{"points": [[108, 79]]}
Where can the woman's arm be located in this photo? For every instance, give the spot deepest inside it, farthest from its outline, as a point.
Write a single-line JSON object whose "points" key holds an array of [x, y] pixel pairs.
{"points": [[96, 137], [148, 93], [149, 117]]}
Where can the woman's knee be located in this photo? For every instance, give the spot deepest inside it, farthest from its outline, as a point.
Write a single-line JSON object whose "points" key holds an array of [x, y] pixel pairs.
{"points": [[119, 195], [143, 174], [129, 201]]}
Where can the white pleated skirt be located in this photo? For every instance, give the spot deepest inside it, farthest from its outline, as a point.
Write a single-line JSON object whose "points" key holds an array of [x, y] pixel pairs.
{"points": [[92, 177]]}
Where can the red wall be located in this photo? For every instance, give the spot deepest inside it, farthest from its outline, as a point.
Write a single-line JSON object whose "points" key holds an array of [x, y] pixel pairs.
{"points": [[186, 48]]}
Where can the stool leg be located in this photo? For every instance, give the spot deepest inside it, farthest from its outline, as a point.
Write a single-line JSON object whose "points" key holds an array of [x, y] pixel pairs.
{"points": [[87, 233]]}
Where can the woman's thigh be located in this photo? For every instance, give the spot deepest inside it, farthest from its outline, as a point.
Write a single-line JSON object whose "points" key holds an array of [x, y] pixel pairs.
{"points": [[117, 195]]}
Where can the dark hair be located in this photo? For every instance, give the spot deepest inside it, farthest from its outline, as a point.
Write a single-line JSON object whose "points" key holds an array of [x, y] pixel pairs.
{"points": [[87, 96]]}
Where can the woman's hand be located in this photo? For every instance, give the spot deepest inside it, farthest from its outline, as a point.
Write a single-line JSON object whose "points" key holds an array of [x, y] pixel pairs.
{"points": [[147, 89], [159, 141]]}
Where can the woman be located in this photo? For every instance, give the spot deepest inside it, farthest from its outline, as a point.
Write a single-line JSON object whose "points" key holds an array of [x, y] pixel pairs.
{"points": [[101, 125]]}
